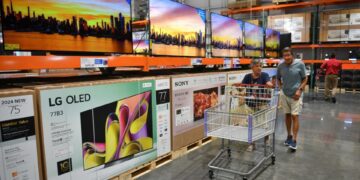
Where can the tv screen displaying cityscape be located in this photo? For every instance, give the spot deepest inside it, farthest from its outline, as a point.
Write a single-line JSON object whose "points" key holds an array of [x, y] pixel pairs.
{"points": [[63, 25], [272, 43], [176, 29], [253, 40], [140, 42], [226, 36]]}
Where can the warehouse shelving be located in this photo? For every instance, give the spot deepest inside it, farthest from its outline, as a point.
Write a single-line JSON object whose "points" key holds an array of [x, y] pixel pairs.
{"points": [[328, 45], [286, 6], [144, 62]]}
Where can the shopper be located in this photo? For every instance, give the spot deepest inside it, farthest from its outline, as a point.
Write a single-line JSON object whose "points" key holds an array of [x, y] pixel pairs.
{"points": [[292, 80], [257, 77], [332, 67]]}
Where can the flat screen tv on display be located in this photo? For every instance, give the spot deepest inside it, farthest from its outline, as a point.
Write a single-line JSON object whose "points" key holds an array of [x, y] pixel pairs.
{"points": [[272, 43], [176, 29], [226, 36], [63, 25], [116, 130], [253, 40], [140, 42]]}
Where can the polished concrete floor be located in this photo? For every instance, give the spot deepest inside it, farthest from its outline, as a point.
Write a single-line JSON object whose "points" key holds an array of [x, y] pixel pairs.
{"points": [[328, 147]]}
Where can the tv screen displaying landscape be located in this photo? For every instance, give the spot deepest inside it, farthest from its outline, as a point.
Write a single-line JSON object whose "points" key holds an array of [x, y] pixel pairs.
{"points": [[63, 25], [253, 40], [177, 29], [226, 36], [272, 43]]}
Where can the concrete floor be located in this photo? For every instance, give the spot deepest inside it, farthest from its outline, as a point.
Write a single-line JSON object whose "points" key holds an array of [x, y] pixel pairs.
{"points": [[328, 147]]}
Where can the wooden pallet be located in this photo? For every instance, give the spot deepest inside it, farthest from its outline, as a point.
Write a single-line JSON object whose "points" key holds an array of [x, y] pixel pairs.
{"points": [[354, 91], [162, 160]]}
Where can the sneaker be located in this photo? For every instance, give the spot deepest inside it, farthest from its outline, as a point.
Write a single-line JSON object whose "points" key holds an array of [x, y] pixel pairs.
{"points": [[292, 145], [288, 141], [333, 100]]}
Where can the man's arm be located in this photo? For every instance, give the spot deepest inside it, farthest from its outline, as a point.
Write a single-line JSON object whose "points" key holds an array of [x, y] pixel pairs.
{"points": [[303, 83]]}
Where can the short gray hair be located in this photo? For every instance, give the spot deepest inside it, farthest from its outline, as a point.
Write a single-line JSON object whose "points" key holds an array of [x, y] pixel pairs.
{"points": [[255, 62]]}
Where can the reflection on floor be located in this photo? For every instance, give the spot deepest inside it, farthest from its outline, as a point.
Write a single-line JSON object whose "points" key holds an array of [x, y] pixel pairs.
{"points": [[328, 147]]}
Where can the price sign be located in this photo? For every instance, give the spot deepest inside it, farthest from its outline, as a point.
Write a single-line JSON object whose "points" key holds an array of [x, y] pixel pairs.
{"points": [[93, 62]]}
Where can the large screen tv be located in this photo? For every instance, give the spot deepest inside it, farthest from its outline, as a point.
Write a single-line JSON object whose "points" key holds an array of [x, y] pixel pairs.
{"points": [[177, 29], [272, 43], [226, 36], [253, 40], [117, 130], [140, 42], [63, 25]]}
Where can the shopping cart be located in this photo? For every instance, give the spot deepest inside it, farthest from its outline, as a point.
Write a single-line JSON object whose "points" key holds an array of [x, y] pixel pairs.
{"points": [[248, 114], [319, 84]]}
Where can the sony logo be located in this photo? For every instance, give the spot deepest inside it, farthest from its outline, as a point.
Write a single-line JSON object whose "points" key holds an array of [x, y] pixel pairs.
{"points": [[181, 83]]}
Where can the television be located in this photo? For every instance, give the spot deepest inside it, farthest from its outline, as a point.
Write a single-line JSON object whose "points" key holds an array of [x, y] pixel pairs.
{"points": [[177, 29], [272, 43], [226, 36], [117, 130], [140, 42], [253, 40], [62, 25]]}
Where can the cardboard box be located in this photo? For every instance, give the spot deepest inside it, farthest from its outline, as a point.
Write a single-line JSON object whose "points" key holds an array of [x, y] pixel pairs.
{"points": [[114, 118], [238, 4], [339, 25], [20, 155], [296, 24], [190, 96]]}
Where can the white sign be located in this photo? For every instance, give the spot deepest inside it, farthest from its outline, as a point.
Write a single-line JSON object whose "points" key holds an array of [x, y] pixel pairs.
{"points": [[296, 36], [16, 107], [355, 19], [338, 35], [236, 61], [354, 34], [338, 19], [227, 63], [196, 61], [93, 62]]}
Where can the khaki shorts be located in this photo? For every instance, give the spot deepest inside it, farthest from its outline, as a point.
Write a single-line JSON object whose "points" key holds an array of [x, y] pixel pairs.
{"points": [[289, 105]]}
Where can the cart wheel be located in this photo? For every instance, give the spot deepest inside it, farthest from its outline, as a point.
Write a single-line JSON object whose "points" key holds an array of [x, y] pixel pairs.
{"points": [[211, 174], [273, 160], [229, 152]]}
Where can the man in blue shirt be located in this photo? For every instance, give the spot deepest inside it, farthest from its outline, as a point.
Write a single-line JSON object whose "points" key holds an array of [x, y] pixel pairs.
{"points": [[257, 77], [292, 80]]}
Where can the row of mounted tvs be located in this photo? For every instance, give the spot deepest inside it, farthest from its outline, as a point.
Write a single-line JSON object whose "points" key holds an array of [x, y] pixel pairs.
{"points": [[105, 26]]}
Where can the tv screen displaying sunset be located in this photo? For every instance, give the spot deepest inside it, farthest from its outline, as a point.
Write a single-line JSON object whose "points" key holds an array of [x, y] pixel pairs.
{"points": [[254, 40], [62, 25], [176, 29], [226, 38]]}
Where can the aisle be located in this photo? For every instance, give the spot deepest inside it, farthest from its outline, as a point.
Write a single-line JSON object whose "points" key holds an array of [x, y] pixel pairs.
{"points": [[328, 147]]}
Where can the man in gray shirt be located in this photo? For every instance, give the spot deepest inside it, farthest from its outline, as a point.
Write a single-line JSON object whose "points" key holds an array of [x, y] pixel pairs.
{"points": [[292, 80]]}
